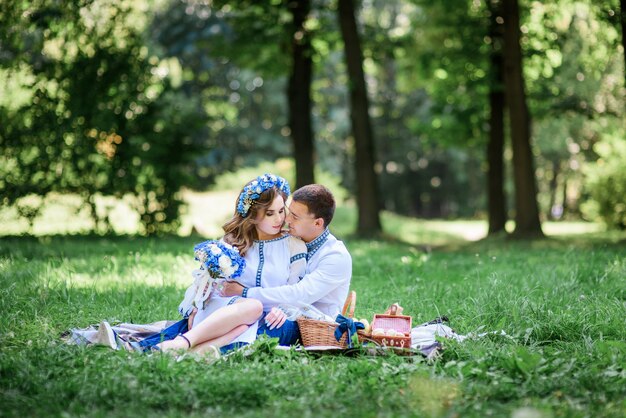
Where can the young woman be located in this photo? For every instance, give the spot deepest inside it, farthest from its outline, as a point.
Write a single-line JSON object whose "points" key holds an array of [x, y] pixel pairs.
{"points": [[273, 258]]}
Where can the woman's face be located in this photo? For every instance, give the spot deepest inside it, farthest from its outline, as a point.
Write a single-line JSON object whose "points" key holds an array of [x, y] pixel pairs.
{"points": [[270, 222]]}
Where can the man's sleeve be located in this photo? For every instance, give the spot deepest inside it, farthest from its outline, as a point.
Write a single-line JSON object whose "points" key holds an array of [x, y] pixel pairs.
{"points": [[334, 269]]}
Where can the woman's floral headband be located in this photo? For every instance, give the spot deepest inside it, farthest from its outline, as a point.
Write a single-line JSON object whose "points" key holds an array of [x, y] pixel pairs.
{"points": [[253, 191]]}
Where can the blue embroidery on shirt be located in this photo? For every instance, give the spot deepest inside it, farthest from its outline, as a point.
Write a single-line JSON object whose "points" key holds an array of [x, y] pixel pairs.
{"points": [[261, 261], [316, 244], [234, 298], [297, 257], [271, 240]]}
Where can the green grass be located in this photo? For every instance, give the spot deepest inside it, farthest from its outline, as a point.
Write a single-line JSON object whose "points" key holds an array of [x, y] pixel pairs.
{"points": [[561, 301]]}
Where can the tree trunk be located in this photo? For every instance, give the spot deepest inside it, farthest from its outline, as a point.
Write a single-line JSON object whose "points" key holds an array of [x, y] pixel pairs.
{"points": [[495, 176], [622, 15], [299, 93], [367, 186], [565, 202], [496, 202], [527, 221]]}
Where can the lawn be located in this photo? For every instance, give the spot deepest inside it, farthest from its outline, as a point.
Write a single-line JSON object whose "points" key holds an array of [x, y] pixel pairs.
{"points": [[561, 302]]}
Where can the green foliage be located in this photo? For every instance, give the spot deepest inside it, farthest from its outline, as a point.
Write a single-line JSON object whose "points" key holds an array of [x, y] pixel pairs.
{"points": [[100, 115], [573, 69], [135, 99], [559, 301], [606, 183], [234, 59], [427, 103]]}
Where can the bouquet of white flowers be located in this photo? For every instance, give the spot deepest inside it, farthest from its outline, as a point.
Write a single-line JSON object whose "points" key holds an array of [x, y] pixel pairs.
{"points": [[221, 260], [218, 261]]}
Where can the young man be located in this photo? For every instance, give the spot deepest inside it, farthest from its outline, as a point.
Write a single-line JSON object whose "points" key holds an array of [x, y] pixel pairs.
{"points": [[329, 266]]}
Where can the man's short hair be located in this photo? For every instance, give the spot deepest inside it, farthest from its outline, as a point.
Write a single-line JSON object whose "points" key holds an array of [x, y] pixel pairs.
{"points": [[318, 199]]}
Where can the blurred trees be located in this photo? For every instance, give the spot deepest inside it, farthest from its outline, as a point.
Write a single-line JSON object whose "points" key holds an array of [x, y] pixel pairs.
{"points": [[496, 199], [607, 183], [137, 99], [231, 57], [622, 15], [263, 40], [570, 64], [462, 66], [91, 111]]}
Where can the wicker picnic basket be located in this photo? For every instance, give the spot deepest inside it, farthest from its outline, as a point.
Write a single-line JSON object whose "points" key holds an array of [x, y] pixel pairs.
{"points": [[322, 333], [400, 324]]}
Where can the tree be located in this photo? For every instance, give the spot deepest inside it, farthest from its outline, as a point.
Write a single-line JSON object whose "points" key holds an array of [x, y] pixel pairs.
{"points": [[367, 183], [224, 41], [496, 201], [98, 118], [527, 221], [452, 61], [572, 70], [299, 92], [622, 15], [232, 56]]}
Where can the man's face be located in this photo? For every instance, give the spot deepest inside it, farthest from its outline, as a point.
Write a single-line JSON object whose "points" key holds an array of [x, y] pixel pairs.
{"points": [[302, 223]]}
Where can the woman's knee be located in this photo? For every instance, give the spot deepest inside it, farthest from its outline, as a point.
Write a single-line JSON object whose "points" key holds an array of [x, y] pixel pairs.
{"points": [[253, 308]]}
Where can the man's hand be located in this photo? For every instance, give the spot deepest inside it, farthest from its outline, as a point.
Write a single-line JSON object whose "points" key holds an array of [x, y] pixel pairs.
{"points": [[231, 289], [275, 318]]}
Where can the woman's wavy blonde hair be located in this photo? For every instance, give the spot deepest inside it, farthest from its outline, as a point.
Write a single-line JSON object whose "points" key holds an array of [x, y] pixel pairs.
{"points": [[240, 231]]}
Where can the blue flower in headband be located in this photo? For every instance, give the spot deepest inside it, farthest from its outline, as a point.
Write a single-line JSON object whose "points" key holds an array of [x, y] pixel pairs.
{"points": [[253, 191]]}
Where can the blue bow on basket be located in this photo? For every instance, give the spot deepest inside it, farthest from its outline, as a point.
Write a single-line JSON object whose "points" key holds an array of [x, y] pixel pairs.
{"points": [[347, 325]]}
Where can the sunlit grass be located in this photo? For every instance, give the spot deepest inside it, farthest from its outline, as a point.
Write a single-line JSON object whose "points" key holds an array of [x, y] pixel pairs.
{"points": [[560, 302]]}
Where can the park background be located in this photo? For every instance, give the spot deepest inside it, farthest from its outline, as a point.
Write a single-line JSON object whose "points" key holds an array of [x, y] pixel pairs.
{"points": [[476, 149]]}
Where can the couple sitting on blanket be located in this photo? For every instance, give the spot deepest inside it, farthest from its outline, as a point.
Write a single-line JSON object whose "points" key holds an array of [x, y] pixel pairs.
{"points": [[306, 266]]}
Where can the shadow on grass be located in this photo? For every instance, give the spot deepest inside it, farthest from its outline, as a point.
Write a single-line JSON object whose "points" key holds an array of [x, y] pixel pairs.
{"points": [[504, 241], [72, 246], [416, 236]]}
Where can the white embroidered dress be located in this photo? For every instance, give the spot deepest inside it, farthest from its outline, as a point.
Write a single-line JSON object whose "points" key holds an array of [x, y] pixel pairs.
{"points": [[326, 283], [270, 263]]}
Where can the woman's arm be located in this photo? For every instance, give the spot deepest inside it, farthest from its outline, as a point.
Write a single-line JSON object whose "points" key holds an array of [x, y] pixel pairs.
{"points": [[192, 315]]}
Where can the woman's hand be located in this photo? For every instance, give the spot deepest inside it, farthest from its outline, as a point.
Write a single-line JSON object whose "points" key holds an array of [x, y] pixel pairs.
{"points": [[192, 315], [275, 318]]}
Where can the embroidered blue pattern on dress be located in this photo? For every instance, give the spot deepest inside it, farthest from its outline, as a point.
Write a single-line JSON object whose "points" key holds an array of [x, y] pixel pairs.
{"points": [[316, 244], [232, 300], [271, 240], [262, 256], [297, 257], [261, 261]]}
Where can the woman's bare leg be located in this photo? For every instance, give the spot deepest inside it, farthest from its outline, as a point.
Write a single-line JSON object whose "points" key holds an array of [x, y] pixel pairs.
{"points": [[220, 342], [218, 324]]}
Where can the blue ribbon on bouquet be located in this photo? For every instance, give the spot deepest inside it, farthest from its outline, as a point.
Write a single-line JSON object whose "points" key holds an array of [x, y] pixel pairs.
{"points": [[347, 325]]}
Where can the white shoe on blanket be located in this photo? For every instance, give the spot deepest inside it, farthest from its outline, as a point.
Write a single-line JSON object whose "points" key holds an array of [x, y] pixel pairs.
{"points": [[106, 336]]}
